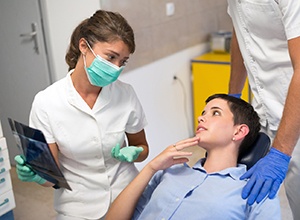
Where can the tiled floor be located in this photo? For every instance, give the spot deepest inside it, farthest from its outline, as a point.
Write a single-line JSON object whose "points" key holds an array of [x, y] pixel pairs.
{"points": [[34, 202]]}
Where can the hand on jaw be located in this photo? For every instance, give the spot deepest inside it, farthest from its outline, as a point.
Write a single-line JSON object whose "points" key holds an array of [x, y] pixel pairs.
{"points": [[173, 154]]}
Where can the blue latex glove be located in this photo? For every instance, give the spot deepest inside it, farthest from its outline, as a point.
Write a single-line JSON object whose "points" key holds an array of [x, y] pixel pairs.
{"points": [[265, 176], [25, 173], [126, 154], [237, 95]]}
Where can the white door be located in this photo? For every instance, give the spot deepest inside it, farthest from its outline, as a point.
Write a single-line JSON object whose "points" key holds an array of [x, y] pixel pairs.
{"points": [[24, 68]]}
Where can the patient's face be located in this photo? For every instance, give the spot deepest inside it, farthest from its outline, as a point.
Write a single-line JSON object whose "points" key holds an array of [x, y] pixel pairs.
{"points": [[216, 127]]}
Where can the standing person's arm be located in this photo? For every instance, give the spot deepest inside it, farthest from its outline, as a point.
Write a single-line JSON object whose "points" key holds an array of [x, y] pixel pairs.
{"points": [[139, 139], [268, 174], [124, 205], [289, 129], [238, 72], [26, 174], [137, 150]]}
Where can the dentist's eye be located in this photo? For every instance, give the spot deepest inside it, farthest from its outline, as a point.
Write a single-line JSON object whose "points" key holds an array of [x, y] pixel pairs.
{"points": [[124, 63], [110, 57]]}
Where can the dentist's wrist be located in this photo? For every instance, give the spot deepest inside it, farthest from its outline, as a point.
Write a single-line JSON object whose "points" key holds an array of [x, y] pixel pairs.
{"points": [[236, 95]]}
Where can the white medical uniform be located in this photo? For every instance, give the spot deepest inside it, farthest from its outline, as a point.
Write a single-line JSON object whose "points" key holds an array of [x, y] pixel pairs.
{"points": [[263, 28], [85, 138]]}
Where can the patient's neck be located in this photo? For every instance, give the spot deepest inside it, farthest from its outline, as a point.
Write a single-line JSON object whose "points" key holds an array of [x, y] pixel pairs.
{"points": [[218, 160]]}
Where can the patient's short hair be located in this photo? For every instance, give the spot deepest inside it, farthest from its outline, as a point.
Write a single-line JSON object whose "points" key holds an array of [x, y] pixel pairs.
{"points": [[243, 113]]}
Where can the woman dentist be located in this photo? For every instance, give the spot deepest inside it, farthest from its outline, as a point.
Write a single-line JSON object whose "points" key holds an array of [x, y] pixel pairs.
{"points": [[86, 118]]}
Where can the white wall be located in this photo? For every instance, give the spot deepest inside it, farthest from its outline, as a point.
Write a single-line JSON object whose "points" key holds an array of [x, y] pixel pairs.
{"points": [[167, 104], [60, 19]]}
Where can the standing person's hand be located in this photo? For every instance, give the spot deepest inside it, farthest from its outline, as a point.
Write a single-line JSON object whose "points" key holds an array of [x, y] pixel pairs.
{"points": [[126, 154], [265, 176], [236, 95], [25, 173]]}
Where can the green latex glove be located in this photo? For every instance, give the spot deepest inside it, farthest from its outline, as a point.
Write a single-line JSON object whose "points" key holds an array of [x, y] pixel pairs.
{"points": [[25, 173], [126, 154]]}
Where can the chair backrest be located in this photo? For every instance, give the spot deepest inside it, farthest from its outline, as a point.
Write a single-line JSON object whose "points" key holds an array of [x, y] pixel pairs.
{"points": [[259, 149]]}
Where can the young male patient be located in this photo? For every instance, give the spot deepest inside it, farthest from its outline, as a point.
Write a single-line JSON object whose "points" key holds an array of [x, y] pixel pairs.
{"points": [[211, 189]]}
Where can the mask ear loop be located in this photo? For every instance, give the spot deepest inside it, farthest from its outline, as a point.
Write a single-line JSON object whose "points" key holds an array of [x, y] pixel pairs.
{"points": [[83, 56], [84, 60], [104, 60], [87, 43]]}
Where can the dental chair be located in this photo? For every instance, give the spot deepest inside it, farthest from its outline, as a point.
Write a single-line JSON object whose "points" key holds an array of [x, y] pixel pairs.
{"points": [[259, 149]]}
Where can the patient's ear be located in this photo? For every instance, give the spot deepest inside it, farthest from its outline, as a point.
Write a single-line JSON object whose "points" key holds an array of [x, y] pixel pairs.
{"points": [[241, 131]]}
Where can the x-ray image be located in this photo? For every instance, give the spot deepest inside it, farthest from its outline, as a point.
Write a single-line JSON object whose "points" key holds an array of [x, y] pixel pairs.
{"points": [[37, 154]]}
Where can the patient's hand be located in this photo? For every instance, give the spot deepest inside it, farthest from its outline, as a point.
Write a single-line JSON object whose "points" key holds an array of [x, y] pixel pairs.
{"points": [[173, 155]]}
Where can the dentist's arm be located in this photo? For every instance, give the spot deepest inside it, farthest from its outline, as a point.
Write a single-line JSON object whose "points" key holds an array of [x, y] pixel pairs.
{"points": [[139, 139], [124, 205], [269, 172], [137, 150], [26, 174], [238, 72], [289, 129]]}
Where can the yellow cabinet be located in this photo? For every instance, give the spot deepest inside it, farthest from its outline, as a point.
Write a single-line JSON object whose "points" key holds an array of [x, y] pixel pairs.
{"points": [[210, 74]]}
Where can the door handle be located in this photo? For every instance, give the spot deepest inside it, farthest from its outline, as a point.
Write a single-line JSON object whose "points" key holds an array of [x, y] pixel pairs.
{"points": [[33, 36]]}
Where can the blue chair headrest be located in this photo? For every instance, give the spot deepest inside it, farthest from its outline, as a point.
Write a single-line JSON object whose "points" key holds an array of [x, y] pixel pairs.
{"points": [[259, 149]]}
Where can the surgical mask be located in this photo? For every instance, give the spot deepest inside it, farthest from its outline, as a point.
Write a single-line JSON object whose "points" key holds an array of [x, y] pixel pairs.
{"points": [[101, 72]]}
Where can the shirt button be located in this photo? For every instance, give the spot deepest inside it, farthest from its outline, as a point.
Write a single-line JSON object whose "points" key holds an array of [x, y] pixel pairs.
{"points": [[177, 199], [261, 86], [163, 219]]}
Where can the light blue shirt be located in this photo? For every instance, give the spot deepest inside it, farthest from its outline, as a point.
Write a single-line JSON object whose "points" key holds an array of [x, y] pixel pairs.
{"points": [[181, 192]]}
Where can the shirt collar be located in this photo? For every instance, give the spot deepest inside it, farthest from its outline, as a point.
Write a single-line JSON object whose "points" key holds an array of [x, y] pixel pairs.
{"points": [[75, 99], [233, 172]]}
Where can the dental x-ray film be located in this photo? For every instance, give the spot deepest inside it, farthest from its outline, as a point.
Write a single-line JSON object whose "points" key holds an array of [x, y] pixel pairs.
{"points": [[36, 151]]}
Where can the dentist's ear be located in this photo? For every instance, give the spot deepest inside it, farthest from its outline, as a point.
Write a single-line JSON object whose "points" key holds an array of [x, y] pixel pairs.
{"points": [[83, 47], [241, 132]]}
